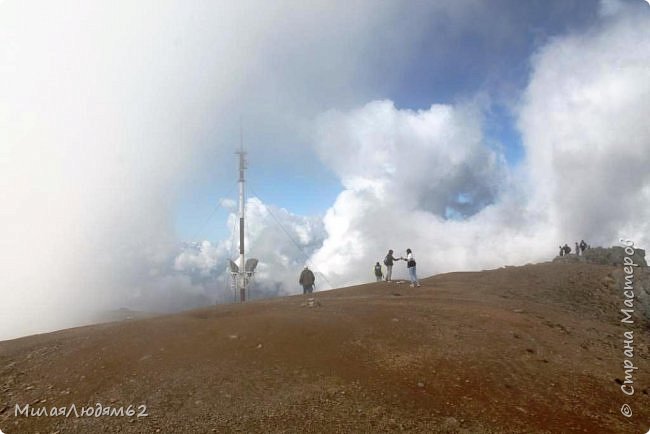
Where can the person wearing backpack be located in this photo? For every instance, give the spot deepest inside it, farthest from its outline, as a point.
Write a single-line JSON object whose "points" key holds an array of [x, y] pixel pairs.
{"points": [[388, 262], [410, 265], [307, 280], [378, 273]]}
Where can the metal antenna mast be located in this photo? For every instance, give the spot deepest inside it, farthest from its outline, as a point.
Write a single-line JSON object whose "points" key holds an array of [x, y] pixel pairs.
{"points": [[243, 273], [242, 190]]}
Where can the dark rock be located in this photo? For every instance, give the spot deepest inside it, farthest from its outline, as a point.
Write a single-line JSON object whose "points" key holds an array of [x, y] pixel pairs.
{"points": [[603, 256], [613, 256]]}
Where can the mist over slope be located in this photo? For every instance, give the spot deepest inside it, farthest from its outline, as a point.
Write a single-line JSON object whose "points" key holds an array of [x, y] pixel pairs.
{"points": [[109, 112]]}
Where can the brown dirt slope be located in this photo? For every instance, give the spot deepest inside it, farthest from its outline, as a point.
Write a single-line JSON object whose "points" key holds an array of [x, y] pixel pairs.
{"points": [[519, 349]]}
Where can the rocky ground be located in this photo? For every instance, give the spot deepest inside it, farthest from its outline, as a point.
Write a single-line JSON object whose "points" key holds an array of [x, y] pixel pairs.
{"points": [[519, 349]]}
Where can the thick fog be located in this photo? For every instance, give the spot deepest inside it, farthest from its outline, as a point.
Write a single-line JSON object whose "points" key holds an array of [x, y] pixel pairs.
{"points": [[107, 109]]}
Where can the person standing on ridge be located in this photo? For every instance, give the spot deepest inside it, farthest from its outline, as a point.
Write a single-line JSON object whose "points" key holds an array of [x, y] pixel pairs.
{"points": [[378, 273], [307, 280], [388, 262], [577, 249], [410, 265], [583, 246]]}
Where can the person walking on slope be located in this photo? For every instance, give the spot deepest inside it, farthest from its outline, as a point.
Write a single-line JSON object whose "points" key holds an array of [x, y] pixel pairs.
{"points": [[410, 264], [378, 273], [307, 280], [388, 262]]}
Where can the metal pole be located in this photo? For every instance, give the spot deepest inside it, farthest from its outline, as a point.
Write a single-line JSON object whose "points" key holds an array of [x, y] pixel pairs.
{"points": [[242, 271]]}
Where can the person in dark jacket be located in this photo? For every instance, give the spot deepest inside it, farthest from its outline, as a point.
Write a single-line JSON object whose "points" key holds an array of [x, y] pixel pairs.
{"points": [[388, 262], [378, 272], [307, 280]]}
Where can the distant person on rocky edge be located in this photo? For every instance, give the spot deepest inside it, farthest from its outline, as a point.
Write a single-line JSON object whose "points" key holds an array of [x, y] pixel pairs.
{"points": [[577, 249], [307, 280], [378, 273], [410, 265], [583, 246], [388, 262], [561, 251], [567, 249]]}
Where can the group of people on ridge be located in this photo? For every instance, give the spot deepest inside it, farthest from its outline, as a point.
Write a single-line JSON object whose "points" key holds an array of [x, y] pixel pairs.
{"points": [[580, 248], [389, 260], [307, 278]]}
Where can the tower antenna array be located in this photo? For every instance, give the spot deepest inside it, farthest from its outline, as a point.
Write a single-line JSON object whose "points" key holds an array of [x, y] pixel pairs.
{"points": [[243, 272]]}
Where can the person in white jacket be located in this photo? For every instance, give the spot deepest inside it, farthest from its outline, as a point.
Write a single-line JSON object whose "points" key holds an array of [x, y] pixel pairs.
{"points": [[410, 265]]}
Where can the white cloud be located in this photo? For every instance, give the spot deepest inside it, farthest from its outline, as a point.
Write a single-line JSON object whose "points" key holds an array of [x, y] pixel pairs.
{"points": [[584, 120], [280, 240], [427, 180], [201, 258], [586, 135], [108, 107], [431, 159], [228, 204], [408, 177], [283, 242]]}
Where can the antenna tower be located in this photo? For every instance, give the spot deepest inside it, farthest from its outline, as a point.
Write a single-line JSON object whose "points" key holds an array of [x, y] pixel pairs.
{"points": [[243, 272]]}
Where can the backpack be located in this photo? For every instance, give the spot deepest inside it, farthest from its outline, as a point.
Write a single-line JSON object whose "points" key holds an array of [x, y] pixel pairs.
{"points": [[386, 261]]}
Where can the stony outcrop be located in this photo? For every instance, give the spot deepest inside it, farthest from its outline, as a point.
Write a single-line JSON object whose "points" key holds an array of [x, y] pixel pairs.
{"points": [[615, 256], [604, 256], [570, 259]]}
